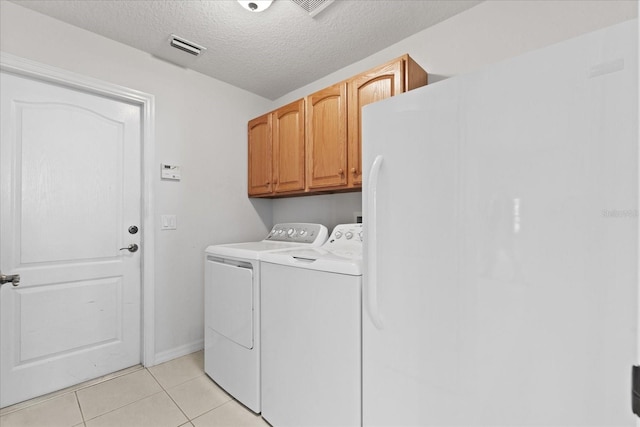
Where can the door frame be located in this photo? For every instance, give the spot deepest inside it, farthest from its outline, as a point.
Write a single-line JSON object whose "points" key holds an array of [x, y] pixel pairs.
{"points": [[27, 68]]}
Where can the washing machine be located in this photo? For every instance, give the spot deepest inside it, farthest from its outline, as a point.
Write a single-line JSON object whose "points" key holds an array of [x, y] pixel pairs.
{"points": [[232, 307], [311, 333]]}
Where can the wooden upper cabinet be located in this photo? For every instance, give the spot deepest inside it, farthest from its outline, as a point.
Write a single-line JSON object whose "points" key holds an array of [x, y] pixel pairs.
{"points": [[260, 160], [314, 145], [414, 75], [288, 147], [390, 79], [327, 137], [374, 85]]}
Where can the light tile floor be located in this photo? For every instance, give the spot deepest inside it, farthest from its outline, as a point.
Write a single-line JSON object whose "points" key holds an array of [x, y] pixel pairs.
{"points": [[172, 394]]}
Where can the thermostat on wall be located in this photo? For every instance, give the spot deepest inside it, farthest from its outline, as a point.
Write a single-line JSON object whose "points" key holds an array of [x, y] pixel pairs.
{"points": [[169, 171]]}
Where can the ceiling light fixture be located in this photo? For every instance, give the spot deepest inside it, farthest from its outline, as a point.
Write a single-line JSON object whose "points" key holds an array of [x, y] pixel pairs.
{"points": [[255, 5]]}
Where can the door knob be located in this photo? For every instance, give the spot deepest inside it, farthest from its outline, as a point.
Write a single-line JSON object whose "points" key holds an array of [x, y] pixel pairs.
{"points": [[14, 279], [131, 248]]}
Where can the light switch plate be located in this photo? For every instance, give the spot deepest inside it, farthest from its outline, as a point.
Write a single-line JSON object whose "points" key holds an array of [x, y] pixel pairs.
{"points": [[168, 171], [168, 222]]}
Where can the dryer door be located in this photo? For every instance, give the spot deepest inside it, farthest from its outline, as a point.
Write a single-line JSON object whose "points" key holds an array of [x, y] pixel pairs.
{"points": [[230, 295]]}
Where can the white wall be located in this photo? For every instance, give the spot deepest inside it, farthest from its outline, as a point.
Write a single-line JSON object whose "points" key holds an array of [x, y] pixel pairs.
{"points": [[200, 125], [484, 34]]}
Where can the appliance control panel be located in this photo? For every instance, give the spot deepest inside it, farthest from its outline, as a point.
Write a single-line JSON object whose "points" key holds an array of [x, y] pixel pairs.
{"points": [[298, 232], [346, 239]]}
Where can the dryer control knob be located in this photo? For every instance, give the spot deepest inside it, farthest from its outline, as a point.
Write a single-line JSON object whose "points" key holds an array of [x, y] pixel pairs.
{"points": [[338, 234], [291, 232], [303, 232], [348, 235]]}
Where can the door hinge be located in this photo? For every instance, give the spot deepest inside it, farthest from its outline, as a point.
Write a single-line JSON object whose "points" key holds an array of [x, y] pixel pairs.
{"points": [[635, 390]]}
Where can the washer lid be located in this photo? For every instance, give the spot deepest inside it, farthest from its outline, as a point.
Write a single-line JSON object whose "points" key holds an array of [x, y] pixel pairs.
{"points": [[282, 236], [249, 250], [341, 262]]}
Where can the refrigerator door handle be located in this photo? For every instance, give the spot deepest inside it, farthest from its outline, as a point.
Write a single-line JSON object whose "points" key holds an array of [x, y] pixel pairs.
{"points": [[372, 248]]}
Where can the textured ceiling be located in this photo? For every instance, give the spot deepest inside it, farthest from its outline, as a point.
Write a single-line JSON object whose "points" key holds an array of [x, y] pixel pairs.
{"points": [[269, 53]]}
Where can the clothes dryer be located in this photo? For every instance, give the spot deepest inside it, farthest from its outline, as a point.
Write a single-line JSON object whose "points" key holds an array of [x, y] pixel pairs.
{"points": [[232, 307]]}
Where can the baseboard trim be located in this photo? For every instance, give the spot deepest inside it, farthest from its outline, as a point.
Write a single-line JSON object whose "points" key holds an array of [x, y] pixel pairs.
{"points": [[183, 350]]}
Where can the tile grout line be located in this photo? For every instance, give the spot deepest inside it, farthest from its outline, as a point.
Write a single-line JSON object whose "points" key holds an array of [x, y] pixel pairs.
{"points": [[79, 406], [119, 407], [71, 389], [170, 397], [189, 420], [123, 406], [179, 408], [131, 403], [91, 383], [213, 409], [181, 383]]}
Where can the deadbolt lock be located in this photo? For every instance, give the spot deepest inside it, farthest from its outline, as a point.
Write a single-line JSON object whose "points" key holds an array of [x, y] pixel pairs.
{"points": [[133, 229]]}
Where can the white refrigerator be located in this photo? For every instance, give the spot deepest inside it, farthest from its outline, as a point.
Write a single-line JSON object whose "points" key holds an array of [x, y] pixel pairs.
{"points": [[501, 243]]}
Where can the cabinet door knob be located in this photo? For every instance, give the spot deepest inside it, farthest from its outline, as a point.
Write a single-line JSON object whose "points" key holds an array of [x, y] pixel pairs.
{"points": [[266, 184], [340, 171], [353, 171]]}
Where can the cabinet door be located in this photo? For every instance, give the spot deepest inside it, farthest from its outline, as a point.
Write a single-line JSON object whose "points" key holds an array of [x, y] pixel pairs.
{"points": [[288, 147], [260, 156], [327, 137], [374, 85]]}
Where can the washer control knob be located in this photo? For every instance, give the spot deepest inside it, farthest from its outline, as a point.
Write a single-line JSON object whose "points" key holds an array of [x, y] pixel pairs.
{"points": [[338, 234], [291, 232], [303, 232], [280, 231], [348, 235]]}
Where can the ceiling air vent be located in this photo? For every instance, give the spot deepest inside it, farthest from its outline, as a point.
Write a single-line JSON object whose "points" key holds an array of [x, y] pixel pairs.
{"points": [[186, 45], [313, 7]]}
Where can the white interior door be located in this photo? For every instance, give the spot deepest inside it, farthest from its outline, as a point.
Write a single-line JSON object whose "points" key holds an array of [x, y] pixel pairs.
{"points": [[70, 178]]}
